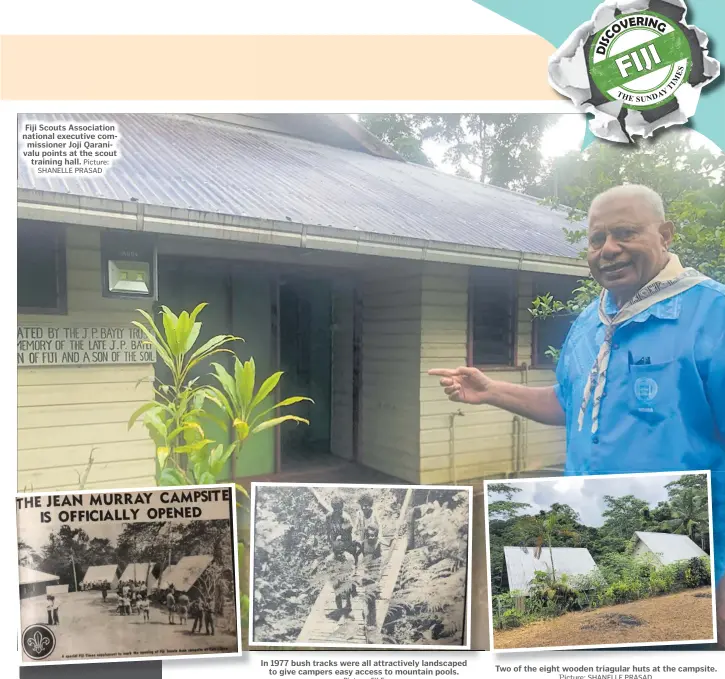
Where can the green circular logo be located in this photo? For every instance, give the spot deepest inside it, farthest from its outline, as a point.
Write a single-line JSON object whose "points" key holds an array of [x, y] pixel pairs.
{"points": [[640, 60]]}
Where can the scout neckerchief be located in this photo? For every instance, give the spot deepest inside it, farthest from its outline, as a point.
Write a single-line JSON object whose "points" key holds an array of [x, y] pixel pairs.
{"points": [[671, 281]]}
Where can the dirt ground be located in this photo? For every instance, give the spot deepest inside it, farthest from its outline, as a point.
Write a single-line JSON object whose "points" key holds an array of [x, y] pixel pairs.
{"points": [[686, 616], [91, 628]]}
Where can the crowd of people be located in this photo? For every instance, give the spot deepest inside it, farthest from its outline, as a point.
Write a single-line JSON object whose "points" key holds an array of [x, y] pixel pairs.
{"points": [[354, 564], [93, 585], [134, 598]]}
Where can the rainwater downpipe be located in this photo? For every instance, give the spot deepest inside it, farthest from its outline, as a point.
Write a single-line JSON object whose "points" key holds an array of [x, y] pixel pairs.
{"points": [[452, 444], [520, 424], [524, 446], [515, 447]]}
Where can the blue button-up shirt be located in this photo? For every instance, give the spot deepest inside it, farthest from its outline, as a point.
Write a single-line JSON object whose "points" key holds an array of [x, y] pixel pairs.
{"points": [[663, 408]]}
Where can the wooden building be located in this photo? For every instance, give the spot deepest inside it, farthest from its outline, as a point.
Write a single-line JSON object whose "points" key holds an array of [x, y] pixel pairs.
{"points": [[349, 269]]}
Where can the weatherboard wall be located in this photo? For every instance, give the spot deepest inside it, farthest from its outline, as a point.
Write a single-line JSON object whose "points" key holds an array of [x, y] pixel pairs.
{"points": [[484, 438], [65, 412], [391, 346], [414, 318]]}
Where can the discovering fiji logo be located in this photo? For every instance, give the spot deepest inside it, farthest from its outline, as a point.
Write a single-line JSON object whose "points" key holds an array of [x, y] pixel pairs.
{"points": [[637, 67], [640, 60], [38, 642]]}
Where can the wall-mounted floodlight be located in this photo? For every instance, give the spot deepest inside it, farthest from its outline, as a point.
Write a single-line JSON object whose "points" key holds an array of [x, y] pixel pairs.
{"points": [[128, 265]]}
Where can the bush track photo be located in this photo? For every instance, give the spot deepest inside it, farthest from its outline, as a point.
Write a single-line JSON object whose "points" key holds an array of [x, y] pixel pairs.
{"points": [[428, 601]]}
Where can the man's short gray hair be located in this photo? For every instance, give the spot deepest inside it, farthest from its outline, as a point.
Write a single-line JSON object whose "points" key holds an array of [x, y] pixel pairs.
{"points": [[634, 192]]}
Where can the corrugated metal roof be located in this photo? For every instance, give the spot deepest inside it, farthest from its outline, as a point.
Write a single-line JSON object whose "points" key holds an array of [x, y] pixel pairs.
{"points": [[106, 573], [670, 548], [184, 574], [186, 162], [28, 576], [521, 564]]}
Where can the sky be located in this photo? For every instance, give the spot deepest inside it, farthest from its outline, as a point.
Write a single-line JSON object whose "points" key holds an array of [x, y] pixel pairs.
{"points": [[586, 494], [38, 538]]}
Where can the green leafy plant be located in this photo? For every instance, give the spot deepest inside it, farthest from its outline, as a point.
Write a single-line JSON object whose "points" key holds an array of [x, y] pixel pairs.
{"points": [[697, 573], [244, 407], [174, 419], [512, 618], [552, 596]]}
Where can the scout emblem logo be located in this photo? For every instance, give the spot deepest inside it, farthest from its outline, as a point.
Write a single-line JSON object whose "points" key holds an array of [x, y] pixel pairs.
{"points": [[645, 389], [640, 60], [637, 67], [38, 642]]}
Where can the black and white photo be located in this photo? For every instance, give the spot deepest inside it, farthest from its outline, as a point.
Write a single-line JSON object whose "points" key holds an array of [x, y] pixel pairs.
{"points": [[348, 566], [127, 574]]}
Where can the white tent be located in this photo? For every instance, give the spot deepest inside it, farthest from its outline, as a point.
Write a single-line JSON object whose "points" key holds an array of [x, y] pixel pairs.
{"points": [[185, 573], [98, 574], [142, 572], [665, 548], [521, 565]]}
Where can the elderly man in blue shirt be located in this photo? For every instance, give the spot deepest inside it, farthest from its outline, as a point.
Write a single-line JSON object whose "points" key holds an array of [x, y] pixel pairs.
{"points": [[641, 376]]}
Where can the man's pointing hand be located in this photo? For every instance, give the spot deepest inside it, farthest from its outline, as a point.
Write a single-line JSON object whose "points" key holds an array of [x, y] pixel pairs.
{"points": [[464, 385]]}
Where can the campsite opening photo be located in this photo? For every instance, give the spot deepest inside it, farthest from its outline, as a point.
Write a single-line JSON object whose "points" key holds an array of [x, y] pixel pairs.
{"points": [[346, 566], [596, 561], [127, 574]]}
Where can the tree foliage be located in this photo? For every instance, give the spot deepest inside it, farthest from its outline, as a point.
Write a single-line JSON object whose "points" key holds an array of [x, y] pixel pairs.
{"points": [[26, 554], [401, 131], [500, 149], [508, 508], [64, 555], [428, 603]]}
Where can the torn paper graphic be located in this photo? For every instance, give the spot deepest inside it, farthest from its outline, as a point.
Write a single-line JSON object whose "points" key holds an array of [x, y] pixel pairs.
{"points": [[636, 66]]}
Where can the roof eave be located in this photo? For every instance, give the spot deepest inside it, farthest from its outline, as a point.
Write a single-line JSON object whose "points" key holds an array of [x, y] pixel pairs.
{"points": [[133, 216]]}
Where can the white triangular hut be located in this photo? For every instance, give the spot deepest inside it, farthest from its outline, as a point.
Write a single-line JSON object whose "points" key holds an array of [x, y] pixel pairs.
{"points": [[141, 572], [521, 564], [665, 548], [96, 575]]}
